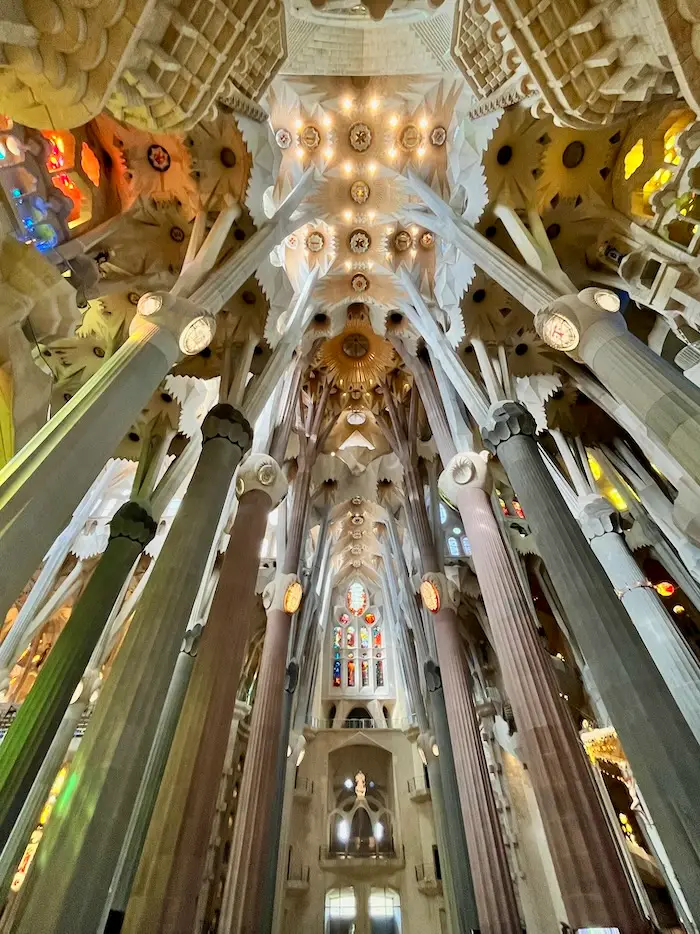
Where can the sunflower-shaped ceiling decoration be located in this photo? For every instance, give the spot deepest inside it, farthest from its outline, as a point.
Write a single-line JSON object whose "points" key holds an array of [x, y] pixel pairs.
{"points": [[358, 358], [489, 312], [152, 165], [572, 163], [162, 405], [511, 161], [528, 354], [107, 319], [221, 162]]}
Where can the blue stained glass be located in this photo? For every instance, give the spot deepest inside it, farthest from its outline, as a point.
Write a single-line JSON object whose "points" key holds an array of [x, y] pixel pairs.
{"points": [[452, 546], [466, 547]]}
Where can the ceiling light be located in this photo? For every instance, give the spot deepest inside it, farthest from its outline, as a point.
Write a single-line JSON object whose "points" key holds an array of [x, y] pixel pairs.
{"points": [[299, 152], [348, 783], [378, 832], [327, 121], [372, 168], [371, 215], [343, 831], [678, 609], [346, 103], [347, 167], [328, 152], [423, 123], [394, 120], [374, 103], [298, 123], [347, 215], [392, 152], [414, 230], [420, 151], [434, 749]]}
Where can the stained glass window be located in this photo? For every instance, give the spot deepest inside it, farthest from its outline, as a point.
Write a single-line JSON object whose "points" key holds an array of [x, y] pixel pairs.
{"points": [[351, 672], [336, 670], [377, 636], [356, 599], [337, 637], [443, 514], [452, 546], [379, 671], [350, 637], [518, 509], [466, 547], [364, 637], [365, 672]]}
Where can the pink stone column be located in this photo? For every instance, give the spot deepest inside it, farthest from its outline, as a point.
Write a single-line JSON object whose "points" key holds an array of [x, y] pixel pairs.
{"points": [[493, 886], [240, 912], [169, 878], [593, 884]]}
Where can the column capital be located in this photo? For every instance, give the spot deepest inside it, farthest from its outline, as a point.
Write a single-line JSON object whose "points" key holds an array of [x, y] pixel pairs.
{"points": [[191, 325], [564, 322], [191, 639], [134, 521], [261, 472], [223, 421], [598, 517], [283, 593], [466, 470], [435, 584], [506, 420]]}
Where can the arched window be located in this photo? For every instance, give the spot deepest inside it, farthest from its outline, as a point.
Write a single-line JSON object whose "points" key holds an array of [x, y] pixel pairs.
{"points": [[358, 652], [466, 547], [356, 598], [341, 910], [453, 546], [384, 911]]}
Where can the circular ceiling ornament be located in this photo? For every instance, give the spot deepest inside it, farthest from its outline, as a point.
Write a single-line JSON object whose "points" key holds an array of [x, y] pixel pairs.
{"points": [[292, 241], [360, 241], [360, 191], [438, 136], [360, 137], [356, 534], [427, 239], [315, 241], [357, 564], [310, 138], [403, 241], [197, 335], [283, 138], [359, 283], [357, 520], [356, 500], [177, 234], [158, 157], [430, 595], [560, 332], [356, 346], [410, 137], [356, 550]]}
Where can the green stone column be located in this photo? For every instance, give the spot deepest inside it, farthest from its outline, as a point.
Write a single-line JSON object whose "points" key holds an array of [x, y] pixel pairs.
{"points": [[30, 736], [68, 889]]}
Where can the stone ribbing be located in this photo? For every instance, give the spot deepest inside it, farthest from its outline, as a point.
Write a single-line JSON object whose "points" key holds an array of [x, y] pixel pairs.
{"points": [[658, 742], [30, 735], [591, 878], [164, 896], [68, 888], [493, 887]]}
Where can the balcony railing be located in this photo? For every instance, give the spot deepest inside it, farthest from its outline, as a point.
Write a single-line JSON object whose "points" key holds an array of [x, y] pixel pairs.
{"points": [[360, 848], [318, 723]]}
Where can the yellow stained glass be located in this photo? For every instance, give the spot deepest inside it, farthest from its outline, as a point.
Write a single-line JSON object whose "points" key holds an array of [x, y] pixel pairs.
{"points": [[634, 158]]}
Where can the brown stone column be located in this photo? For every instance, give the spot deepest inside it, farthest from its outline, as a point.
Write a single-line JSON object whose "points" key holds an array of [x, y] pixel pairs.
{"points": [[240, 913], [169, 877], [593, 884], [493, 886]]}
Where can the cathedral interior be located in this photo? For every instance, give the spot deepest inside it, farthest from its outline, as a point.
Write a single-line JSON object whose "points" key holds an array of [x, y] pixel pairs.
{"points": [[349, 466]]}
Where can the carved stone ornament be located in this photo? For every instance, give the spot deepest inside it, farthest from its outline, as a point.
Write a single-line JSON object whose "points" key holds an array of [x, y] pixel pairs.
{"points": [[356, 550], [438, 136], [356, 534], [357, 520], [283, 138], [190, 642], [427, 239], [356, 418], [410, 137], [505, 421], [310, 138], [197, 334], [261, 472], [356, 564], [403, 241], [466, 469], [292, 241], [360, 241], [359, 191], [360, 137], [177, 234], [223, 421], [158, 157], [315, 241], [356, 500], [598, 517], [133, 521], [359, 283]]}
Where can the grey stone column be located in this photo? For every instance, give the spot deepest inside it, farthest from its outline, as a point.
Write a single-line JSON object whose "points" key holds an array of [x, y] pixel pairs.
{"points": [[42, 484], [666, 645], [658, 742], [461, 878], [37, 720], [164, 896], [68, 889]]}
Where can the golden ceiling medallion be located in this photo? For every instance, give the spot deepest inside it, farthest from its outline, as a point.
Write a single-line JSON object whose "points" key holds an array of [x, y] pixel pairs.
{"points": [[358, 358], [430, 595], [427, 239], [315, 241], [410, 137], [359, 241], [360, 137], [403, 241], [359, 192], [292, 597], [310, 138], [438, 136], [359, 283]]}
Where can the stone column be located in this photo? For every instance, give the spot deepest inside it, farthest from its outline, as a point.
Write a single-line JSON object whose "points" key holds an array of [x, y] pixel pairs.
{"points": [[467, 917], [38, 718], [671, 653], [591, 878], [164, 896], [493, 886], [658, 742], [667, 404], [150, 783], [41, 485], [240, 911], [74, 868]]}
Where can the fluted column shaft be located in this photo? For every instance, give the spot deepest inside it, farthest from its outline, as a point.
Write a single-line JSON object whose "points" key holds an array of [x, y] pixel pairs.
{"points": [[493, 886], [164, 896], [591, 878], [250, 847], [37, 720], [671, 653], [42, 484], [659, 744], [74, 867]]}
